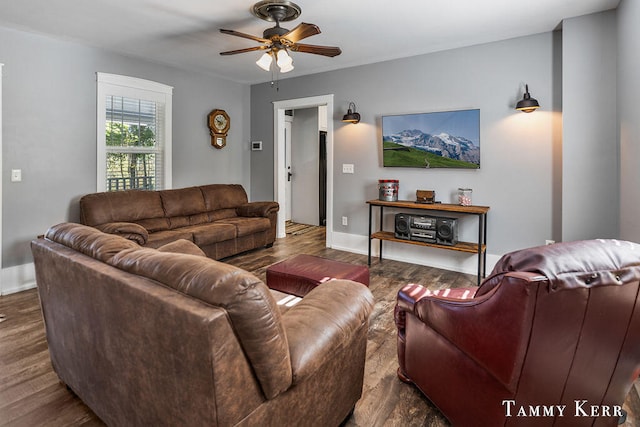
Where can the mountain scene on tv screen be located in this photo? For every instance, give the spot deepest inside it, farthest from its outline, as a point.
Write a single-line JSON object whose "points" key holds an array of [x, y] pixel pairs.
{"points": [[415, 148]]}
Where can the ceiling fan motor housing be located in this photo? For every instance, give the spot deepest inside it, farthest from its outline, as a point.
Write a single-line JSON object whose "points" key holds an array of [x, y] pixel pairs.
{"points": [[276, 32]]}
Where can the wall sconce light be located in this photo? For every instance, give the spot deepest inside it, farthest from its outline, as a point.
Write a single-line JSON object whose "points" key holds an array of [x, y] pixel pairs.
{"points": [[527, 104], [351, 116]]}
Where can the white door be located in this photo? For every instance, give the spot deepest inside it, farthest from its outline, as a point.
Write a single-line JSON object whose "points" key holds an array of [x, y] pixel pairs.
{"points": [[287, 166]]}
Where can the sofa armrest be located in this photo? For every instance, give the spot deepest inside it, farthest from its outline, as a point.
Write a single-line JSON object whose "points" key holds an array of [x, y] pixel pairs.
{"points": [[496, 324], [128, 230], [257, 209], [327, 319], [409, 295], [406, 302]]}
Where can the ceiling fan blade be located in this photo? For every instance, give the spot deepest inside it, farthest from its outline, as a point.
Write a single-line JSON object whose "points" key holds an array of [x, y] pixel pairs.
{"points": [[244, 35], [302, 31], [248, 49], [318, 50]]}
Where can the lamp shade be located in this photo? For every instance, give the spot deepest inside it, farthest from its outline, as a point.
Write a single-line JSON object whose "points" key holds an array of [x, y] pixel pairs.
{"points": [[284, 61], [527, 104], [265, 61]]}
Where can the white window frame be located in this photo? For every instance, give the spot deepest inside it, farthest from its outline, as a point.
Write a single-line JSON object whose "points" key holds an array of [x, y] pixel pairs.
{"points": [[131, 87]]}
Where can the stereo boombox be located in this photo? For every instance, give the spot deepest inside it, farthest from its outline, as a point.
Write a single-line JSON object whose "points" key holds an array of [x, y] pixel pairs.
{"points": [[427, 229]]}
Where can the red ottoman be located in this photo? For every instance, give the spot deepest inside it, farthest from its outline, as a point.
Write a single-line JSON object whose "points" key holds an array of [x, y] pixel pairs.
{"points": [[300, 274]]}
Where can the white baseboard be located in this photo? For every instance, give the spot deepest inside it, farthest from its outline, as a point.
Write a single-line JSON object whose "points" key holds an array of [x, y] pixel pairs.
{"points": [[17, 278], [432, 257]]}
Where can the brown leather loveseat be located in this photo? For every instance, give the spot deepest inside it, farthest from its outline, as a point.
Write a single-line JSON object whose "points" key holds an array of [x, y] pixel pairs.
{"points": [[151, 337], [217, 217]]}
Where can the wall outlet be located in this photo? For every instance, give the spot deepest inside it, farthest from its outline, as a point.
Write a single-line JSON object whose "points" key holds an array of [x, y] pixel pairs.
{"points": [[347, 168], [345, 221], [549, 242]]}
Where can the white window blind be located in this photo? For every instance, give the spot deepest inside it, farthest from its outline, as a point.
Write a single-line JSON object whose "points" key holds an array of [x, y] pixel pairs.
{"points": [[134, 134]]}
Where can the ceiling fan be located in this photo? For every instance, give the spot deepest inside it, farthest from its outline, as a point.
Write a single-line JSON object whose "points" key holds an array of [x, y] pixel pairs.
{"points": [[277, 41]]}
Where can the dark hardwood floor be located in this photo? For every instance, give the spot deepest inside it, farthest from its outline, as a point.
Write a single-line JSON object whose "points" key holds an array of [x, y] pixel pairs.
{"points": [[30, 394]]}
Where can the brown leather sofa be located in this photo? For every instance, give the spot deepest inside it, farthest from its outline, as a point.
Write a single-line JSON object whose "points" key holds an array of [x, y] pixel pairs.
{"points": [[217, 217], [551, 337], [169, 337]]}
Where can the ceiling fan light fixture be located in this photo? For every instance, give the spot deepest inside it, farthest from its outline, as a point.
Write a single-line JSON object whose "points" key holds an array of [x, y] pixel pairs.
{"points": [[283, 58], [265, 61], [284, 61], [286, 68]]}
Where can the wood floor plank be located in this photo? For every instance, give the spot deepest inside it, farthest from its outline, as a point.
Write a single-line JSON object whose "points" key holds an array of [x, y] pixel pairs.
{"points": [[31, 395]]}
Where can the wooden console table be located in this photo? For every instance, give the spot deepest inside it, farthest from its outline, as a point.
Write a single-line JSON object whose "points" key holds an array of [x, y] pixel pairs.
{"points": [[479, 247]]}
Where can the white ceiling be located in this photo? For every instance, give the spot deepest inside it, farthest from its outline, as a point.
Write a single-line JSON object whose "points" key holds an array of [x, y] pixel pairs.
{"points": [[186, 32]]}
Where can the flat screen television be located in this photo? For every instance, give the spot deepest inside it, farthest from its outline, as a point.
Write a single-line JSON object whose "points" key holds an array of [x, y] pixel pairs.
{"points": [[446, 139]]}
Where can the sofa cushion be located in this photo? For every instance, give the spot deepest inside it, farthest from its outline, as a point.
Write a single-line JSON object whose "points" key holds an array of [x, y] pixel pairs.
{"points": [[167, 236], [223, 196], [182, 201], [139, 206], [222, 214], [182, 246], [207, 234], [153, 224], [252, 310], [187, 220], [89, 241], [246, 226]]}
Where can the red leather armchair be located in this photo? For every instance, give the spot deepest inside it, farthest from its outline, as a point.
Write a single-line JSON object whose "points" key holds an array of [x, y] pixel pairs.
{"points": [[551, 337]]}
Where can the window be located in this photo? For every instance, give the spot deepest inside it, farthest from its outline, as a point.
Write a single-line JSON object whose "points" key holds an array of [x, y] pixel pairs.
{"points": [[134, 134]]}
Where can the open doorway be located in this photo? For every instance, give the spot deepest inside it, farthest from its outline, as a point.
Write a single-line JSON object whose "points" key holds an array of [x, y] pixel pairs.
{"points": [[305, 164], [322, 178], [280, 171]]}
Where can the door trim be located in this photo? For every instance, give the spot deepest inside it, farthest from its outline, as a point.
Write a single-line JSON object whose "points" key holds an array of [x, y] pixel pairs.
{"points": [[279, 108], [1, 289]]}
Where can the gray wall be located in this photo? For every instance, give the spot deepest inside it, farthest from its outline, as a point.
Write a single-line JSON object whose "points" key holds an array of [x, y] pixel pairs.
{"points": [[49, 130], [590, 142], [304, 166], [49, 107], [629, 119], [516, 178]]}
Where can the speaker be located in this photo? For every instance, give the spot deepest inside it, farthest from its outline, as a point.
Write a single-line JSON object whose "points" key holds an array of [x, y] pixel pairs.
{"points": [[447, 231], [403, 222]]}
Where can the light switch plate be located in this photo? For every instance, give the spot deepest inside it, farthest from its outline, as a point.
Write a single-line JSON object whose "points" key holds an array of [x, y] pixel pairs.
{"points": [[347, 168], [16, 175]]}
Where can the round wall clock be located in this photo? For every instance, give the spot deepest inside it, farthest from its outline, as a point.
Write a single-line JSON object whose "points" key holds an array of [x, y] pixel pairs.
{"points": [[219, 124]]}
